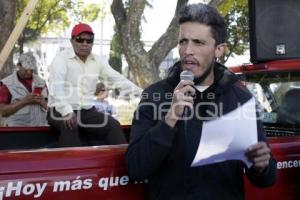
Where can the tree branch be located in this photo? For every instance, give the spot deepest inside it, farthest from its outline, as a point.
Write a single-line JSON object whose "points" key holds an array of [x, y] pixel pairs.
{"points": [[41, 24], [168, 40], [118, 11], [136, 9], [215, 3], [180, 3]]}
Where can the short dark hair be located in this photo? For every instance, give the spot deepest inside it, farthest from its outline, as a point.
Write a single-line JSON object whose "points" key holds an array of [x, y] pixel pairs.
{"points": [[205, 14], [100, 87]]}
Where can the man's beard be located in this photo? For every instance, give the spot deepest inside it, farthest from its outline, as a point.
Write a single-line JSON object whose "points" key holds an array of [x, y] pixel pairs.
{"points": [[199, 79]]}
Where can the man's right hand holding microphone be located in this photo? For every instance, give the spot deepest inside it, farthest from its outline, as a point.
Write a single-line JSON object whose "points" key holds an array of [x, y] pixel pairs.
{"points": [[182, 98]]}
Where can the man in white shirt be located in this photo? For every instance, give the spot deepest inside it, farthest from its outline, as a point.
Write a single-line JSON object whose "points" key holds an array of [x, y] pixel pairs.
{"points": [[72, 82]]}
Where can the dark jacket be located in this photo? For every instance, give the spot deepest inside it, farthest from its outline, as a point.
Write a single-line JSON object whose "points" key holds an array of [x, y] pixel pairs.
{"points": [[163, 155]]}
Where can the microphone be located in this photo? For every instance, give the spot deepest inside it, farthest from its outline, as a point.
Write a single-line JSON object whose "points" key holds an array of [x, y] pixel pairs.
{"points": [[186, 75]]}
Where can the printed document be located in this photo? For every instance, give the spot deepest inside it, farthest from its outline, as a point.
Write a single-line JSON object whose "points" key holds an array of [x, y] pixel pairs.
{"points": [[228, 137]]}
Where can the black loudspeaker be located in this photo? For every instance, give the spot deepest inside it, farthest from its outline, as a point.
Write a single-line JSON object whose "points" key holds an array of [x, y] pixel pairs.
{"points": [[274, 30]]}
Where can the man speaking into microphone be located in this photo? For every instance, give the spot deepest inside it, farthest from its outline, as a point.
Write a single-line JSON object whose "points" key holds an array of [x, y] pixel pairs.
{"points": [[164, 138]]}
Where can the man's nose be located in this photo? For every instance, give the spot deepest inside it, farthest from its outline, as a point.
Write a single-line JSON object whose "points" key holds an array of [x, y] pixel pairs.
{"points": [[189, 50]]}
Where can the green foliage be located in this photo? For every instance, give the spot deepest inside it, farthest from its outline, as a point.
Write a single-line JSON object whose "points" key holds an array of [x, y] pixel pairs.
{"points": [[53, 15], [235, 13], [88, 13], [48, 15], [91, 12]]}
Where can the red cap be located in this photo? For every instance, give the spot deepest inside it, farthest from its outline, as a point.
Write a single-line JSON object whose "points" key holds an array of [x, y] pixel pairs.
{"points": [[80, 28]]}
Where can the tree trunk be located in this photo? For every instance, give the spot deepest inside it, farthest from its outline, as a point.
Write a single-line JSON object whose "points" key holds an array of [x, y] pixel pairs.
{"points": [[7, 17], [144, 65]]}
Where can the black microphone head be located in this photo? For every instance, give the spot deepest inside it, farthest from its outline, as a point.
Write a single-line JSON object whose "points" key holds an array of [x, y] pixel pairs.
{"points": [[187, 75]]}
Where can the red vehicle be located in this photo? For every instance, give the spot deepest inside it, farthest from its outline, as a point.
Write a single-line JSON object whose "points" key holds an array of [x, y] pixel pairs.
{"points": [[31, 168]]}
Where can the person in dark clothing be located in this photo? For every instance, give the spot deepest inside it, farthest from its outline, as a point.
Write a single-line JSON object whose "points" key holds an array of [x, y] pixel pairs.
{"points": [[162, 145]]}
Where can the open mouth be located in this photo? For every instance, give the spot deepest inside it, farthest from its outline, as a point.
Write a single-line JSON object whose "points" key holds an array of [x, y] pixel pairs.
{"points": [[190, 63]]}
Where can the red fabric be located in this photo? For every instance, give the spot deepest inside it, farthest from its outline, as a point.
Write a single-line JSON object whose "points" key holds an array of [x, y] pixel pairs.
{"points": [[80, 28], [5, 95], [27, 83]]}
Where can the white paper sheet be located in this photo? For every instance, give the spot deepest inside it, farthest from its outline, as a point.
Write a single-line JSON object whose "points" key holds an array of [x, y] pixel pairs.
{"points": [[228, 137]]}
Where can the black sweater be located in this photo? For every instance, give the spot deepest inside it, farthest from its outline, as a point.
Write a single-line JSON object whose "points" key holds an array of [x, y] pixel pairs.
{"points": [[163, 155]]}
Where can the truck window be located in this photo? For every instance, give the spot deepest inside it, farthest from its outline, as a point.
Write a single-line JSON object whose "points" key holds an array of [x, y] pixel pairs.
{"points": [[277, 95]]}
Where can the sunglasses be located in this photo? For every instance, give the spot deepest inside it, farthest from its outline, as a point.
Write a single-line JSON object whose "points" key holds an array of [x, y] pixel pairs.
{"points": [[81, 40]]}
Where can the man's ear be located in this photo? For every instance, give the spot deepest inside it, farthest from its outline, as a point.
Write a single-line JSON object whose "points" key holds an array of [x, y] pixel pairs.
{"points": [[220, 50]]}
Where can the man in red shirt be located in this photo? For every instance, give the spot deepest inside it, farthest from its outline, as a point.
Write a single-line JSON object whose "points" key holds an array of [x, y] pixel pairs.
{"points": [[23, 95]]}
